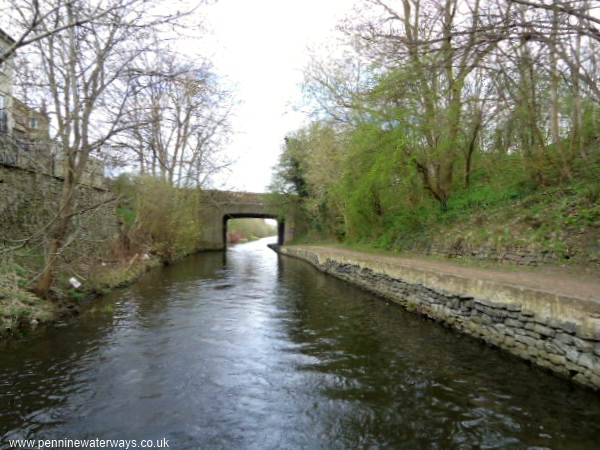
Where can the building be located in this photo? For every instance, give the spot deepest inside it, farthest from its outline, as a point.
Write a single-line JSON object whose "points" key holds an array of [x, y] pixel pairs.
{"points": [[6, 84], [25, 132], [29, 124], [21, 122]]}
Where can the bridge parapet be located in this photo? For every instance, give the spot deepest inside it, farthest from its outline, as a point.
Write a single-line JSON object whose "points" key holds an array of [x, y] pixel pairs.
{"points": [[221, 206]]}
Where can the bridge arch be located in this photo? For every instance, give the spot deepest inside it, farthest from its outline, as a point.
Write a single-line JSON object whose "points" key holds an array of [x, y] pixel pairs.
{"points": [[218, 207], [280, 224]]}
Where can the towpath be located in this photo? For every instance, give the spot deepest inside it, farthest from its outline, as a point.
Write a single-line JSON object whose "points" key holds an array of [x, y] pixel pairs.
{"points": [[555, 280]]}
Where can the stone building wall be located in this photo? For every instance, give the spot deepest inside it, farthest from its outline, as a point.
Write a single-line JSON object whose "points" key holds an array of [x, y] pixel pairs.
{"points": [[23, 127], [6, 84], [559, 333], [29, 200]]}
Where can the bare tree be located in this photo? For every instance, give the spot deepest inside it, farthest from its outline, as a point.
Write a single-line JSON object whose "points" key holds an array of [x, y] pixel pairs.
{"points": [[86, 73], [565, 40], [34, 20], [184, 119], [585, 22]]}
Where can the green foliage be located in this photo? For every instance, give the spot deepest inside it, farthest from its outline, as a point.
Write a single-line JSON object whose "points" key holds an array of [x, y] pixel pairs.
{"points": [[75, 295], [158, 217], [417, 149], [126, 215], [18, 307], [121, 274], [249, 229], [371, 193], [289, 177]]}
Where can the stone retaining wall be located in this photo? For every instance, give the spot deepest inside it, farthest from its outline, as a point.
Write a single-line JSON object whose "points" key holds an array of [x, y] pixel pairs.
{"points": [[29, 201], [559, 333]]}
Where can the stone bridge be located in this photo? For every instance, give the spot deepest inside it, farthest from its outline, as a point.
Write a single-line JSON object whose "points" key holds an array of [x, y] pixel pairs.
{"points": [[220, 206]]}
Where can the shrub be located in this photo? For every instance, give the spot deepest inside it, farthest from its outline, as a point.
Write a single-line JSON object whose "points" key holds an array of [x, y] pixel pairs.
{"points": [[158, 217]]}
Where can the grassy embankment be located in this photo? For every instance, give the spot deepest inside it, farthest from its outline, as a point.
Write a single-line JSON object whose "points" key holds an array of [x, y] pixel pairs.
{"points": [[21, 311], [555, 226], [158, 224], [510, 212]]}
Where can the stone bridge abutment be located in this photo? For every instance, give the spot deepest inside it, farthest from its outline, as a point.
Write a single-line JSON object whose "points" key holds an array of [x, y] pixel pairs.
{"points": [[218, 207]]}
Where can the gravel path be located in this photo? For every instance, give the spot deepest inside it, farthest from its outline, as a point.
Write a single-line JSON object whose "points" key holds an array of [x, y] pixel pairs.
{"points": [[547, 279]]}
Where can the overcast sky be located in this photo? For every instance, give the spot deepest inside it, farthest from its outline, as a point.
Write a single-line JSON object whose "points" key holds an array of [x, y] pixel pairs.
{"points": [[261, 47]]}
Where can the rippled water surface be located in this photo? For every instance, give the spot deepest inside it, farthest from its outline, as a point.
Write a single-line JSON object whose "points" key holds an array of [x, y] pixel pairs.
{"points": [[250, 350]]}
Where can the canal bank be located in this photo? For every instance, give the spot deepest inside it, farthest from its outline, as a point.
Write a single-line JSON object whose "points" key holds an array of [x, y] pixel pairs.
{"points": [[247, 350], [550, 320], [23, 314]]}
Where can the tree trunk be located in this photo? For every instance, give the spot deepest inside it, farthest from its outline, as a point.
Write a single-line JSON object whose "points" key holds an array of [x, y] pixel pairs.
{"points": [[471, 150], [57, 236], [577, 125], [554, 100]]}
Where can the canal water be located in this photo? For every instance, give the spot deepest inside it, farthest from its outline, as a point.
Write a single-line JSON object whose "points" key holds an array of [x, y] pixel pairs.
{"points": [[248, 350]]}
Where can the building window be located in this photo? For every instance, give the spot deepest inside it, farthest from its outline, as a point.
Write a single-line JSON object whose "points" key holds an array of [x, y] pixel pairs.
{"points": [[33, 123]]}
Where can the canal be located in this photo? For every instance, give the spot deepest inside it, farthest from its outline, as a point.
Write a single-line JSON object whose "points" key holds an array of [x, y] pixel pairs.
{"points": [[248, 350]]}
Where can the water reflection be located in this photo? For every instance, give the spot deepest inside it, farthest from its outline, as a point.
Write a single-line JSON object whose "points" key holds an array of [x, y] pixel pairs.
{"points": [[257, 351]]}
